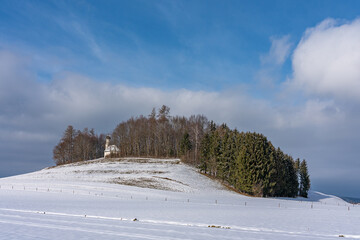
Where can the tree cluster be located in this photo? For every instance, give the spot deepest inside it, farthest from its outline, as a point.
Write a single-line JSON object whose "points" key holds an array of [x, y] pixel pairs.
{"points": [[76, 145], [161, 135], [246, 161], [303, 176], [251, 164]]}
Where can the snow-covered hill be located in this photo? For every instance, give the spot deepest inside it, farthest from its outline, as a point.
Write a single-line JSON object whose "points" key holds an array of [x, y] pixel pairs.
{"points": [[161, 174], [169, 200]]}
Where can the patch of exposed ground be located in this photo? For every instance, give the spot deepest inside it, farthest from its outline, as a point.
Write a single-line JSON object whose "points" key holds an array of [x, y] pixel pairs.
{"points": [[120, 172], [143, 183], [149, 160], [172, 180], [120, 160]]}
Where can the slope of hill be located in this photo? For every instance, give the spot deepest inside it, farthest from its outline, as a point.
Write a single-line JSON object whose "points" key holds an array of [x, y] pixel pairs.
{"points": [[351, 200], [162, 174], [167, 200]]}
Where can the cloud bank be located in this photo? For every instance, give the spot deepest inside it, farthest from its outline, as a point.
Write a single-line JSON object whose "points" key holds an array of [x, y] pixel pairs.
{"points": [[35, 114], [326, 62]]}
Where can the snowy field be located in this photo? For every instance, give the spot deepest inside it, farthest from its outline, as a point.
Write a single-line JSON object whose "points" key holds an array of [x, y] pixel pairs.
{"points": [[100, 199]]}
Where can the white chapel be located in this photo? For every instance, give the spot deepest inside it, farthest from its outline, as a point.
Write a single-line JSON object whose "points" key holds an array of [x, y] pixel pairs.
{"points": [[110, 150]]}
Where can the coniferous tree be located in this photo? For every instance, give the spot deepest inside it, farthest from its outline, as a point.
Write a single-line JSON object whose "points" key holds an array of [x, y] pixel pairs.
{"points": [[205, 153], [297, 170], [291, 178], [185, 146], [249, 162], [304, 179]]}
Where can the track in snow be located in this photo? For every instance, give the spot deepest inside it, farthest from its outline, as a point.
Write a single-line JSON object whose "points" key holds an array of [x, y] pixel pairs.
{"points": [[41, 225]]}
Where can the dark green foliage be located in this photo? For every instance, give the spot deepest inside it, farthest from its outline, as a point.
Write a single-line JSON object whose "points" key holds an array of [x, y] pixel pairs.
{"points": [[290, 179], [205, 153], [185, 145], [297, 169], [304, 179], [248, 162]]}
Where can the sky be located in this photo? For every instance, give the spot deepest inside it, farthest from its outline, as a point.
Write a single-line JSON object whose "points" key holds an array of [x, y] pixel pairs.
{"points": [[287, 69]]}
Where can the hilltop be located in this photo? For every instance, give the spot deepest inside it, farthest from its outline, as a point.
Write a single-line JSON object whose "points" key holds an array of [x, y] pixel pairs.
{"points": [[247, 161]]}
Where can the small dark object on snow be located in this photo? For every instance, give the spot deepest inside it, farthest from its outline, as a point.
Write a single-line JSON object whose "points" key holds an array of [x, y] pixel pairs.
{"points": [[135, 219], [213, 226]]}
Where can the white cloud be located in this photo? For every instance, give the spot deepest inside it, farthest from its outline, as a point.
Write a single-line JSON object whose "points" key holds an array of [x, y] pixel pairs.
{"points": [[31, 106], [271, 62], [315, 113], [326, 62], [279, 51], [75, 99]]}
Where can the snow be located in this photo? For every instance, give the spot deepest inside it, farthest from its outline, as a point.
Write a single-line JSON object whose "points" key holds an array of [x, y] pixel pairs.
{"points": [[170, 200]]}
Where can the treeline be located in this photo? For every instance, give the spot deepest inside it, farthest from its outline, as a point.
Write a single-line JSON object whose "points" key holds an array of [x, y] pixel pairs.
{"points": [[76, 145], [161, 135], [246, 161], [251, 164]]}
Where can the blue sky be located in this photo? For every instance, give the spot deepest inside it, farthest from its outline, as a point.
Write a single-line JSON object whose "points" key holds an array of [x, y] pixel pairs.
{"points": [[287, 69], [186, 39], [191, 44]]}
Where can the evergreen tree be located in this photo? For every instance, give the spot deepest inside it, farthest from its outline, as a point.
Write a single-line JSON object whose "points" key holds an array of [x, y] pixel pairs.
{"points": [[291, 178], [304, 179], [248, 162], [205, 153], [185, 145], [297, 170], [212, 126]]}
